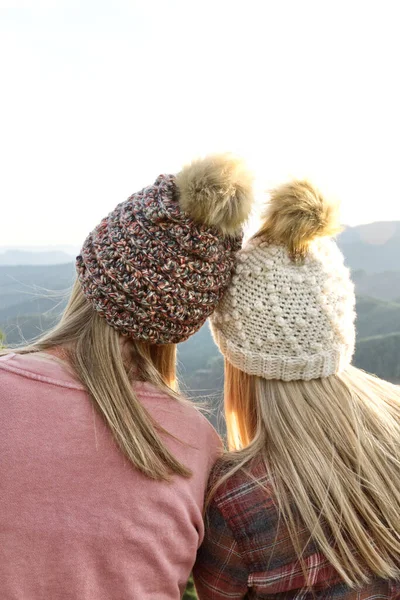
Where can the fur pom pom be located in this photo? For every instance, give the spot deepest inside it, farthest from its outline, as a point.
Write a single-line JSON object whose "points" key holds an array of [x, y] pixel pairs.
{"points": [[297, 214], [217, 191]]}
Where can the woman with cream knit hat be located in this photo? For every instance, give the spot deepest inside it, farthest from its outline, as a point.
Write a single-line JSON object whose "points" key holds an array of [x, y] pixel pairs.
{"points": [[307, 502], [103, 464]]}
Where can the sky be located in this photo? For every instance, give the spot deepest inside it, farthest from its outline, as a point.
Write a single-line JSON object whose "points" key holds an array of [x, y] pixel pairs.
{"points": [[97, 98]]}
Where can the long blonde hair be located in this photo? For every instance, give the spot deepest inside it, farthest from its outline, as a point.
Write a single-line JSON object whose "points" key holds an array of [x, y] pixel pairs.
{"points": [[332, 451], [106, 368]]}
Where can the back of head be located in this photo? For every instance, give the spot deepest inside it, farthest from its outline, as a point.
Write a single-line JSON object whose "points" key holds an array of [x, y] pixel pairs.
{"points": [[157, 266], [328, 433], [149, 275]]}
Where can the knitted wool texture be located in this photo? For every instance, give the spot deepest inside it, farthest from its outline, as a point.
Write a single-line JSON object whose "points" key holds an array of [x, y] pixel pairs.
{"points": [[286, 320], [151, 271]]}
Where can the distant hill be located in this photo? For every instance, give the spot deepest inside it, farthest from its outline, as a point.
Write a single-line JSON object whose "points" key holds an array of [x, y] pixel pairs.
{"points": [[376, 317], [380, 355], [384, 285], [373, 248], [378, 233], [21, 257], [31, 298], [23, 329], [32, 283]]}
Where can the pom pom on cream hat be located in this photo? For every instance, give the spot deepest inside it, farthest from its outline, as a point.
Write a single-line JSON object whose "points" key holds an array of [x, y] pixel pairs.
{"points": [[288, 313]]}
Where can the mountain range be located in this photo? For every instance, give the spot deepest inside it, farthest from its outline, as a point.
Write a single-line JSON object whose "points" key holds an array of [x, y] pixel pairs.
{"points": [[372, 248], [32, 295], [45, 255]]}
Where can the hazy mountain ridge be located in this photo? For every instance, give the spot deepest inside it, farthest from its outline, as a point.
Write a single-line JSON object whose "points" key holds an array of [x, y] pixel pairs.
{"points": [[373, 248], [376, 317], [384, 285], [26, 257], [380, 355], [21, 284], [376, 233], [378, 241]]}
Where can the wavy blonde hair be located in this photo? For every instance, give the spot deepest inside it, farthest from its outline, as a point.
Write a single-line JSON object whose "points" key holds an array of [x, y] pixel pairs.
{"points": [[106, 364], [332, 451]]}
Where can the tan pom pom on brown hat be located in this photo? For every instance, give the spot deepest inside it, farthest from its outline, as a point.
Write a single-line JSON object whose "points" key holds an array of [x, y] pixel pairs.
{"points": [[157, 266]]}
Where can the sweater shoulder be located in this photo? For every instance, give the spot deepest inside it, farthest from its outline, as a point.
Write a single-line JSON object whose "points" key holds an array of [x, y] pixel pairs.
{"points": [[188, 409], [182, 417]]}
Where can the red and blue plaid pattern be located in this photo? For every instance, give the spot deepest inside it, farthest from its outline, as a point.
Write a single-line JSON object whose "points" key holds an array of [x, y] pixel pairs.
{"points": [[247, 552]]}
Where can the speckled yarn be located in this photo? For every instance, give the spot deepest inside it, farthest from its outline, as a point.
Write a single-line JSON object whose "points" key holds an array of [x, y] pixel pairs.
{"points": [[153, 273], [286, 320]]}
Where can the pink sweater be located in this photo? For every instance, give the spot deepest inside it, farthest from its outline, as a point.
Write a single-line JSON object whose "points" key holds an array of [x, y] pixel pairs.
{"points": [[77, 521]]}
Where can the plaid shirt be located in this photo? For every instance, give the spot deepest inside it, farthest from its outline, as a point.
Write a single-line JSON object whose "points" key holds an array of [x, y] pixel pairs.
{"points": [[247, 552]]}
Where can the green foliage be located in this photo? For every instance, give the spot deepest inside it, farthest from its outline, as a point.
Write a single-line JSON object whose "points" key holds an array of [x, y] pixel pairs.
{"points": [[380, 355], [376, 317], [26, 328], [201, 372], [200, 364], [25, 287], [31, 299], [190, 592], [384, 285], [2, 340]]}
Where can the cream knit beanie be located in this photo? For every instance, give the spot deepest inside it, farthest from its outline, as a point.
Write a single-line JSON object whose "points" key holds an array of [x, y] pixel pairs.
{"points": [[289, 311]]}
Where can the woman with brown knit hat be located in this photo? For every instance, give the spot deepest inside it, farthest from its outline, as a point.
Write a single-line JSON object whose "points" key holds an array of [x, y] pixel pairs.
{"points": [[307, 503], [103, 464]]}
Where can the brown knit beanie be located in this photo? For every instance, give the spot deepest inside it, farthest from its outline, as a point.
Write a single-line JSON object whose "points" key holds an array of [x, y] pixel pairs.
{"points": [[157, 266]]}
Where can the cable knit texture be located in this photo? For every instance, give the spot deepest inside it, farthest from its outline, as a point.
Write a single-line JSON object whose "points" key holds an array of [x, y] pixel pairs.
{"points": [[288, 320], [151, 271]]}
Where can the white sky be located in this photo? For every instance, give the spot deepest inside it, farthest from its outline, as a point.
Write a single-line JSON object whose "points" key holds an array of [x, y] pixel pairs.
{"points": [[97, 98]]}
